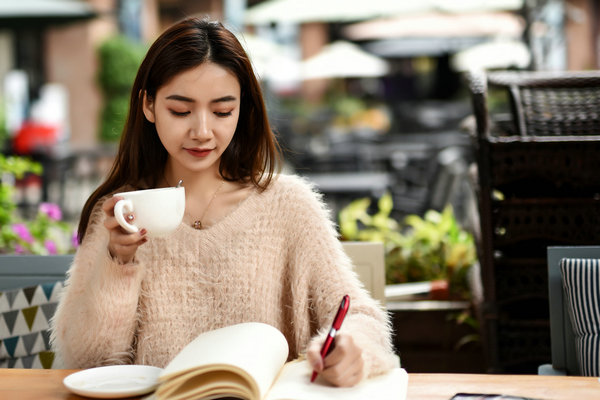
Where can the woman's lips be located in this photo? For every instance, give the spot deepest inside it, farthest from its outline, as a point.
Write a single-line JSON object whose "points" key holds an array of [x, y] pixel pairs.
{"points": [[199, 152]]}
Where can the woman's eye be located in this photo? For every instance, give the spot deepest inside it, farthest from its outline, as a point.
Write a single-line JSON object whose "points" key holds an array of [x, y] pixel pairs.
{"points": [[222, 114], [179, 113]]}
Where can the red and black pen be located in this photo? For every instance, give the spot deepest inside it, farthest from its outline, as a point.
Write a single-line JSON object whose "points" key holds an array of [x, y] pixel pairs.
{"points": [[337, 323]]}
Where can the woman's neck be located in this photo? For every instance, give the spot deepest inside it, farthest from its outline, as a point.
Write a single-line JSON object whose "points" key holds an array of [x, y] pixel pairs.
{"points": [[196, 183]]}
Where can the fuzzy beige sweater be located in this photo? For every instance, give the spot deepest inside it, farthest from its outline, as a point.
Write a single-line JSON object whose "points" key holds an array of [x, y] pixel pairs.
{"points": [[275, 259]]}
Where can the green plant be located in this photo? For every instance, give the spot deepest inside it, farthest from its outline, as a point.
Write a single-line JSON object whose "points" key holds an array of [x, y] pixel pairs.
{"points": [[3, 129], [11, 169], [467, 318], [357, 224], [432, 247], [119, 59], [44, 234]]}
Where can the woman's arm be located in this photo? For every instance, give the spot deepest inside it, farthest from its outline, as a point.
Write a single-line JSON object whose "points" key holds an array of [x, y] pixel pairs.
{"points": [[330, 276], [363, 344], [95, 322]]}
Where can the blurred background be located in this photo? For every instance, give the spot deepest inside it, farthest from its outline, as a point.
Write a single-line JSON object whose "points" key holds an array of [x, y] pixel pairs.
{"points": [[365, 96], [368, 98]]}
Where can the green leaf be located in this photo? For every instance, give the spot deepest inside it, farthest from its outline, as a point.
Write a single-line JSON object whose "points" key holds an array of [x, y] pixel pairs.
{"points": [[350, 215], [19, 166], [385, 204], [470, 338]]}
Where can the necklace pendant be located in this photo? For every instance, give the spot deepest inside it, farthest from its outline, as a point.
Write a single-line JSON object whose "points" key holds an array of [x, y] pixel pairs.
{"points": [[197, 224]]}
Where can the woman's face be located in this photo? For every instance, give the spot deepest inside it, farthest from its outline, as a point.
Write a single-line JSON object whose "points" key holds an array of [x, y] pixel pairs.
{"points": [[195, 115]]}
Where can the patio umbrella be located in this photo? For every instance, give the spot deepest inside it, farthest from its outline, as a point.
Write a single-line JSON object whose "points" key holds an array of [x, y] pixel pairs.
{"points": [[271, 61], [300, 11], [343, 60], [42, 12], [498, 54], [437, 24]]}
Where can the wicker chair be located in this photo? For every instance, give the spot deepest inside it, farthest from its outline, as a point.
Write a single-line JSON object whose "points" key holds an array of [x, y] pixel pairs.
{"points": [[538, 185], [543, 103]]}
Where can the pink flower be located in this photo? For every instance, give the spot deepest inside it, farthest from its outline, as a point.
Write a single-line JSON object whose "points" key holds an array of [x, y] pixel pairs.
{"points": [[51, 210], [50, 246], [19, 249], [23, 232], [74, 239]]}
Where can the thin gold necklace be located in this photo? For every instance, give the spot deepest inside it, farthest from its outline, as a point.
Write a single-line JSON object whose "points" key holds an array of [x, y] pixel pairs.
{"points": [[197, 224]]}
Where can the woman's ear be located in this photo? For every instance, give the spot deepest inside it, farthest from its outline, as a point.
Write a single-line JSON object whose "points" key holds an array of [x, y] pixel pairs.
{"points": [[148, 107]]}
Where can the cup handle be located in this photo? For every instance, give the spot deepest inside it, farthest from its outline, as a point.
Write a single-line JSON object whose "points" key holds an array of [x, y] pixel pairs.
{"points": [[122, 206]]}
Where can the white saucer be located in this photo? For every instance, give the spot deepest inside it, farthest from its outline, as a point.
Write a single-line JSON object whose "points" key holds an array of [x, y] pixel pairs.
{"points": [[113, 381]]}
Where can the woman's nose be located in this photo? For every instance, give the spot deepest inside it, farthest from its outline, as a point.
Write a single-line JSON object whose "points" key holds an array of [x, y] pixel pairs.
{"points": [[201, 125]]}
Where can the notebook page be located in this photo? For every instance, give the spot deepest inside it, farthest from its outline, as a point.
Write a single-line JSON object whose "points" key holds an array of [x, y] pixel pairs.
{"points": [[257, 348], [294, 383]]}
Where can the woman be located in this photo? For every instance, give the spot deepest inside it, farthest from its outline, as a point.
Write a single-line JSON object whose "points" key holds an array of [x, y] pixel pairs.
{"points": [[253, 245]]}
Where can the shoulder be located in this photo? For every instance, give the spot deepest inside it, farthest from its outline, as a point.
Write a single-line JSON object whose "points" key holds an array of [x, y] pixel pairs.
{"points": [[293, 185], [295, 190], [296, 194]]}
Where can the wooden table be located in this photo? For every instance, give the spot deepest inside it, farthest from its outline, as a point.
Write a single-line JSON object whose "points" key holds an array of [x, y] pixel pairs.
{"points": [[37, 384], [443, 386]]}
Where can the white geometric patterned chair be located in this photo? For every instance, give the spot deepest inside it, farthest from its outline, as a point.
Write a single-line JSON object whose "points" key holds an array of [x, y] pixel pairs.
{"points": [[24, 323], [29, 290]]}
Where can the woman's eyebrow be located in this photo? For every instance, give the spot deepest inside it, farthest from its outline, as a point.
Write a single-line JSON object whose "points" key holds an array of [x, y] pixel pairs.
{"points": [[178, 97], [181, 98], [223, 99]]}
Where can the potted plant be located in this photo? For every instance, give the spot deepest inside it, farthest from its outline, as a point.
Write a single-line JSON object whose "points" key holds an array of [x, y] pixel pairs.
{"points": [[429, 248], [443, 335], [45, 233], [119, 59]]}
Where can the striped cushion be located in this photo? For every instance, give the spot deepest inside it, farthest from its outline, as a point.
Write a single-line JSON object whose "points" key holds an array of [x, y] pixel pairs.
{"points": [[24, 317], [581, 283]]}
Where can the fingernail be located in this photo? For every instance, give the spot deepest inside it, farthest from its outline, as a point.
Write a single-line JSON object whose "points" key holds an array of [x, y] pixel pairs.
{"points": [[144, 240], [143, 231]]}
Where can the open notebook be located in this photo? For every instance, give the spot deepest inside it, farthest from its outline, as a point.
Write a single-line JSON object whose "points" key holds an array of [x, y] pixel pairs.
{"points": [[248, 361]]}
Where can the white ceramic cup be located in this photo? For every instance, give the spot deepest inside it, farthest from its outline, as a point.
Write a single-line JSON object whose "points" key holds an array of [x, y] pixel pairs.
{"points": [[159, 211]]}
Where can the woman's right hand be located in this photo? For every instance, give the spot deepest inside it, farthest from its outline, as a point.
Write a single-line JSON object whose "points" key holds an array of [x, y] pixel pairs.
{"points": [[122, 245]]}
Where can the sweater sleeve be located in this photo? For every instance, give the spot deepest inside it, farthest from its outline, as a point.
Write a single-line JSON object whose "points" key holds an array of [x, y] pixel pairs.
{"points": [[318, 256], [95, 321]]}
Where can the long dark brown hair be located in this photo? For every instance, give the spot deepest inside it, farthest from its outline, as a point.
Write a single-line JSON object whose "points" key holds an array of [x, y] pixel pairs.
{"points": [[253, 154]]}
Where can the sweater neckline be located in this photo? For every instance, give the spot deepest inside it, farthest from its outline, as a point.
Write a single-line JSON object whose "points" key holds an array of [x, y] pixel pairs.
{"points": [[224, 220]]}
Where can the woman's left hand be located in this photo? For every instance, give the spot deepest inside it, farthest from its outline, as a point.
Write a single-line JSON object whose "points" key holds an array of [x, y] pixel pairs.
{"points": [[343, 366]]}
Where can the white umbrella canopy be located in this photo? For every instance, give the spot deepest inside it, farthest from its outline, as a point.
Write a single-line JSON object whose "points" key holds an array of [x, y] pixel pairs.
{"points": [[300, 11], [261, 51], [434, 24], [271, 61], [45, 8], [343, 60], [498, 54], [460, 6], [43, 12]]}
